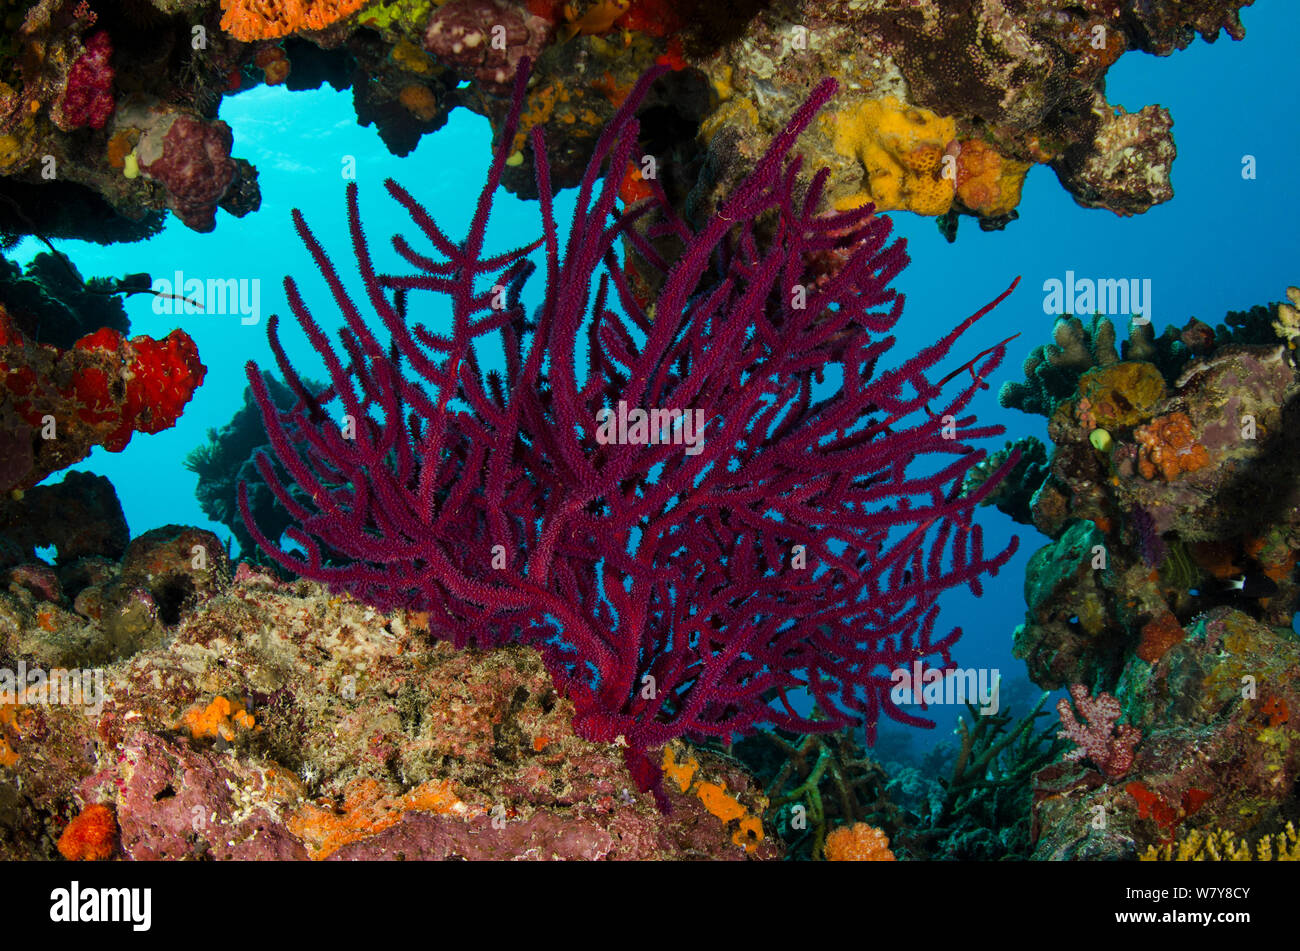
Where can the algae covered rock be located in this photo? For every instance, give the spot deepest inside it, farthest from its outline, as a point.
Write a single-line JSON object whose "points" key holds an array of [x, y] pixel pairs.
{"points": [[276, 721], [1067, 637], [1238, 413], [1014, 493], [175, 564]]}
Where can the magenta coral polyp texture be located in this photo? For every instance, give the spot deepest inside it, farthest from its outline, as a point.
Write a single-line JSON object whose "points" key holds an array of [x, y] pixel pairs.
{"points": [[88, 98], [1101, 738], [796, 553]]}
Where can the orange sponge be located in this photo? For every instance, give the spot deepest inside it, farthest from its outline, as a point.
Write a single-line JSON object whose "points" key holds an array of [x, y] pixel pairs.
{"points": [[91, 836], [858, 843], [252, 20], [219, 718]]}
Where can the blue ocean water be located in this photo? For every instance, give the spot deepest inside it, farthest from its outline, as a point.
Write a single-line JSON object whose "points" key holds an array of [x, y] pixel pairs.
{"points": [[1223, 243]]}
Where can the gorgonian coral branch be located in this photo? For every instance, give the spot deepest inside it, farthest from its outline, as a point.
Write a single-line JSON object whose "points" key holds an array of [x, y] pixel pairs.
{"points": [[781, 535]]}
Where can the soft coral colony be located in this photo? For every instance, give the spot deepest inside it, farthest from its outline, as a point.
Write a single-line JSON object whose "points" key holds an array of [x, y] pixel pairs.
{"points": [[671, 593]]}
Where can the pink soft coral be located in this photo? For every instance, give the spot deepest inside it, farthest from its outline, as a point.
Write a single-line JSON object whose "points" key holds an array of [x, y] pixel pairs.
{"points": [[88, 98], [1109, 745]]}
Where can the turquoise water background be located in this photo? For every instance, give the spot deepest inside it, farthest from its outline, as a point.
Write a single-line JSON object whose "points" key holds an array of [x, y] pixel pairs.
{"points": [[1223, 243]]}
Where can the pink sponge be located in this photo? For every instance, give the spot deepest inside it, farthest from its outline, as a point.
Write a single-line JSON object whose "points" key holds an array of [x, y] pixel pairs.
{"points": [[196, 168]]}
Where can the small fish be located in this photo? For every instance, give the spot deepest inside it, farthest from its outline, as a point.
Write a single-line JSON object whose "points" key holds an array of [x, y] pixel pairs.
{"points": [[1252, 585]]}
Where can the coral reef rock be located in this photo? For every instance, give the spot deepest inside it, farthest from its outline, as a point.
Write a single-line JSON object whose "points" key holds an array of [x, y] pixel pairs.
{"points": [[271, 720], [944, 106], [1219, 750]]}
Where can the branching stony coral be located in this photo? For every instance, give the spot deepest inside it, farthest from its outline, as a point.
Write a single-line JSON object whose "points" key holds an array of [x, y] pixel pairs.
{"points": [[1287, 323], [816, 782], [1052, 370], [1221, 845]]}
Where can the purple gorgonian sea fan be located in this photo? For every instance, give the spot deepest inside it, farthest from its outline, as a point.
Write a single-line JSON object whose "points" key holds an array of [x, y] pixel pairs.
{"points": [[794, 553]]}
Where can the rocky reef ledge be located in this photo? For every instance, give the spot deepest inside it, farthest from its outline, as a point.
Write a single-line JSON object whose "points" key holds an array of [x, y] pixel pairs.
{"points": [[243, 717]]}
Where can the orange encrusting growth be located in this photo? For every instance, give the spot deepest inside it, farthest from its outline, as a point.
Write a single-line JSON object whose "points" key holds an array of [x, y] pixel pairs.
{"points": [[1158, 636], [252, 20], [673, 57], [552, 10], [1169, 448], [12, 717], [634, 186], [1276, 710], [120, 145], [912, 160], [220, 718], [541, 105], [367, 810], [608, 86], [858, 843], [680, 773], [1277, 561], [598, 18], [987, 183], [323, 13], [902, 150], [653, 17], [91, 836], [8, 755], [1153, 806], [273, 63], [419, 100], [748, 832]]}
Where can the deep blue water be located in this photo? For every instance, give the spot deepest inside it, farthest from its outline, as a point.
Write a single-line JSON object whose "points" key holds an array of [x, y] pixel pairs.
{"points": [[1222, 243]]}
